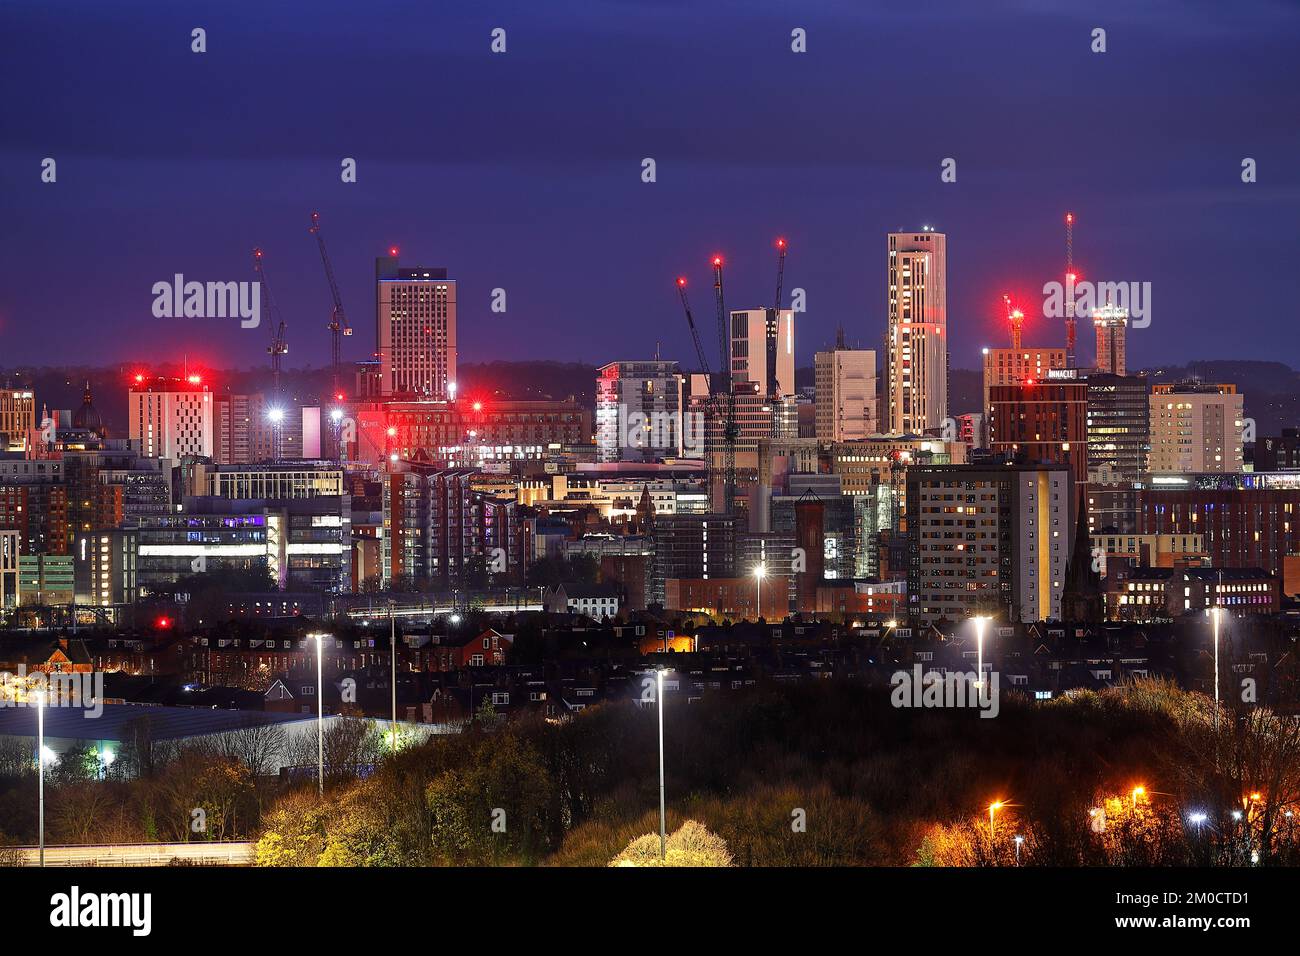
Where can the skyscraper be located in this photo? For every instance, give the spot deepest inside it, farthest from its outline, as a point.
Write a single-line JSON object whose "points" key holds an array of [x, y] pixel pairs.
{"points": [[916, 340], [17, 418], [762, 350], [1112, 325], [988, 539], [846, 394], [171, 417], [415, 316], [639, 408], [1042, 423], [1196, 427]]}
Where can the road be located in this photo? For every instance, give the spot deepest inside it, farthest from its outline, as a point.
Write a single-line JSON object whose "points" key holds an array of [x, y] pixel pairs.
{"points": [[140, 854]]}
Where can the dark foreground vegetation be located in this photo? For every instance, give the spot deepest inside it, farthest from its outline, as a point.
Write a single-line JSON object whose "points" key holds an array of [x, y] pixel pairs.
{"points": [[787, 775]]}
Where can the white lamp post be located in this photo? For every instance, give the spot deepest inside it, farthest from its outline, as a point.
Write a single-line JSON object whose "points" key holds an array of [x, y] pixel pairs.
{"points": [[392, 639], [40, 769], [663, 822], [320, 712], [979, 650], [760, 572]]}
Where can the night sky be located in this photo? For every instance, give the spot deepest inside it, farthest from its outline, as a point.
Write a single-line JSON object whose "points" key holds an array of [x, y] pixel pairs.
{"points": [[523, 170]]}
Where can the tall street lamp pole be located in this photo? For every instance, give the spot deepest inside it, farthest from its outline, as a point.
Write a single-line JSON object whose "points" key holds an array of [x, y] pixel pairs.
{"points": [[979, 650], [1215, 614], [760, 572], [663, 822], [320, 713], [40, 770], [392, 639]]}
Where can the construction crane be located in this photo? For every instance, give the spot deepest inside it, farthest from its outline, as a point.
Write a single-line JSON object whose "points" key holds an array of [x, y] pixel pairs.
{"points": [[695, 332], [278, 346], [1015, 320], [728, 395], [1069, 290], [780, 273], [338, 324]]}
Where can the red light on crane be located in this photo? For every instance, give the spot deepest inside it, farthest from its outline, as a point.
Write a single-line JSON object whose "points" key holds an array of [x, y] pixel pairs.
{"points": [[780, 243], [681, 281], [717, 260], [392, 251]]}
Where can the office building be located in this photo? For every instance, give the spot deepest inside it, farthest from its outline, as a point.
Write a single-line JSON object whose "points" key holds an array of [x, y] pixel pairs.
{"points": [[1112, 326], [415, 315], [762, 351], [171, 417], [916, 339], [1278, 452], [17, 419], [1018, 367], [1042, 423], [846, 394], [1196, 428], [639, 408], [989, 540]]}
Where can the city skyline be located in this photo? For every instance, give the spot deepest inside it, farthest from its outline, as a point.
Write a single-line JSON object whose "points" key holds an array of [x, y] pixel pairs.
{"points": [[484, 192]]}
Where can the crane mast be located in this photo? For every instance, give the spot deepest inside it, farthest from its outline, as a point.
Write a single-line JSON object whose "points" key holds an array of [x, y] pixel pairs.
{"points": [[1069, 291], [338, 324], [728, 396], [1015, 320], [278, 346]]}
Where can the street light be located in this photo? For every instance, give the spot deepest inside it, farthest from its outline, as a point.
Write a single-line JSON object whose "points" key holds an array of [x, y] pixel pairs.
{"points": [[1214, 613], [1138, 791], [663, 821], [392, 640], [994, 807], [979, 649], [760, 572], [1019, 841], [320, 711], [40, 769]]}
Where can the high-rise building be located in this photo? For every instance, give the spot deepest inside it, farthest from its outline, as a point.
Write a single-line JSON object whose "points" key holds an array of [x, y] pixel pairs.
{"points": [[17, 418], [639, 407], [1018, 366], [10, 564], [1042, 423], [1112, 325], [846, 394], [1196, 428], [415, 315], [1119, 441], [1119, 425], [988, 540], [916, 341], [170, 417], [762, 350]]}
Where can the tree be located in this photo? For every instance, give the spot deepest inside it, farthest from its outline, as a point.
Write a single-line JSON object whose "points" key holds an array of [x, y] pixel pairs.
{"points": [[492, 807], [690, 845], [256, 743]]}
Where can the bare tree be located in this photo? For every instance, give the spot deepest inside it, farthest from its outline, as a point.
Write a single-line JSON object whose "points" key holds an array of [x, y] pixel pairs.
{"points": [[257, 743]]}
